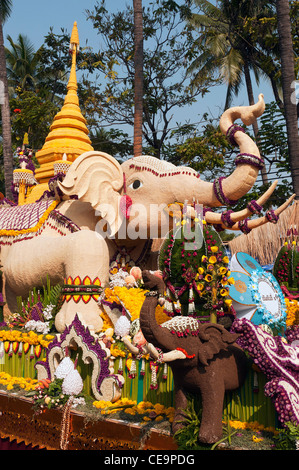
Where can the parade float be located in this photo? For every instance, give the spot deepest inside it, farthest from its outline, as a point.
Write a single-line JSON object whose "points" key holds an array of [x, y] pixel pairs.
{"points": [[111, 329]]}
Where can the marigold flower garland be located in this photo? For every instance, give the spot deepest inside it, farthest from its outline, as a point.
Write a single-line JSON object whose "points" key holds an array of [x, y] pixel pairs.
{"points": [[30, 337], [27, 384], [147, 410]]}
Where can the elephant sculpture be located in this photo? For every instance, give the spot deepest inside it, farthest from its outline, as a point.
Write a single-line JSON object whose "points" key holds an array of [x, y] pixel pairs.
{"points": [[203, 357], [103, 210]]}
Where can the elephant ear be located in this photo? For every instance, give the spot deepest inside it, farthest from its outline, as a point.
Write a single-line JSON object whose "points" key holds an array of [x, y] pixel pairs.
{"points": [[96, 177], [215, 339]]}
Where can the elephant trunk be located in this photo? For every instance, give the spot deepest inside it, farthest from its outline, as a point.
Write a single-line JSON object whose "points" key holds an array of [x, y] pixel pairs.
{"points": [[160, 337], [227, 191]]}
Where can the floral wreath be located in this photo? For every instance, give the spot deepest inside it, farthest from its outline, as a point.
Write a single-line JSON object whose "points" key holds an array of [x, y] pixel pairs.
{"points": [[267, 316]]}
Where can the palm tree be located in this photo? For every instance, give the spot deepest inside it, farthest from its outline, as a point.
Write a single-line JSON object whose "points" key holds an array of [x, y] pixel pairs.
{"points": [[227, 49], [5, 10], [22, 63], [138, 76], [288, 82]]}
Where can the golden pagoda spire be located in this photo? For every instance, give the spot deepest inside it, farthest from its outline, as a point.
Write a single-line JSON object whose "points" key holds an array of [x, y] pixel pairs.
{"points": [[68, 133]]}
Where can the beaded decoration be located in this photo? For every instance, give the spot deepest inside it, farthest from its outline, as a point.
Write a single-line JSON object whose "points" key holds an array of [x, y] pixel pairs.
{"points": [[242, 158], [243, 226], [226, 218], [161, 168], [249, 159], [254, 207], [231, 132], [217, 186], [272, 217]]}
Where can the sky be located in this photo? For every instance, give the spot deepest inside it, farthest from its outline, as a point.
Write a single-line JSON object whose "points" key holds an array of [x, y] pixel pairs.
{"points": [[34, 18]]}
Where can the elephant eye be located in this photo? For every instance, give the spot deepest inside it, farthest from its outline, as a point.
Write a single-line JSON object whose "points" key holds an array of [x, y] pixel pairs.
{"points": [[136, 184]]}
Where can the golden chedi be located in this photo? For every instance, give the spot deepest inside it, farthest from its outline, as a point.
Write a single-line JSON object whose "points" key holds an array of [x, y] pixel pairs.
{"points": [[68, 133]]}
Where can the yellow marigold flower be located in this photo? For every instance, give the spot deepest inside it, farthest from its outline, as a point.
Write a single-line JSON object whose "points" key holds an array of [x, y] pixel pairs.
{"points": [[212, 259], [200, 270], [293, 242], [228, 302], [257, 439], [231, 280], [200, 286], [146, 418], [204, 258], [214, 249], [225, 259], [130, 411], [223, 292], [159, 418], [222, 270], [208, 278], [159, 408]]}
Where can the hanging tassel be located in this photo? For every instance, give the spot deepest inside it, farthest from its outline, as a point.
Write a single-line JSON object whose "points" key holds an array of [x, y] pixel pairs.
{"points": [[31, 352], [191, 307], [132, 373], [168, 306], [154, 370], [120, 366], [142, 370], [165, 370], [20, 349], [10, 350], [177, 306]]}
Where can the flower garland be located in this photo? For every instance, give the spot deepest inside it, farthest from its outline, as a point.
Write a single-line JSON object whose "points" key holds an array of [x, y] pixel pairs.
{"points": [[145, 409], [30, 337], [268, 318]]}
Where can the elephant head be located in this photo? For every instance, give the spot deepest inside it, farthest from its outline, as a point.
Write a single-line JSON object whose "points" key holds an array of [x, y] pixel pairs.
{"points": [[136, 192]]}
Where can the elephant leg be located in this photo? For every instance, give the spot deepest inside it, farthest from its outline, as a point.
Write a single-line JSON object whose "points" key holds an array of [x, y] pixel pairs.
{"points": [[181, 404], [86, 255], [212, 395]]}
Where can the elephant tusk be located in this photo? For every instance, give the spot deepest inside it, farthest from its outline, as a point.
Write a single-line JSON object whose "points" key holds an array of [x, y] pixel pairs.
{"points": [[217, 218], [254, 223]]}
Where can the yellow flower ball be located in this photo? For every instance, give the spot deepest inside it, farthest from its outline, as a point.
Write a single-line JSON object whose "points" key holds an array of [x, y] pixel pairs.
{"points": [[231, 280], [208, 278], [212, 259], [200, 286], [214, 249], [225, 259], [200, 270], [228, 302]]}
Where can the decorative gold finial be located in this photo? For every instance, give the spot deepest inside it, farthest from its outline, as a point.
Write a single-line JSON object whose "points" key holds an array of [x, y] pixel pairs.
{"points": [[68, 132], [74, 43]]}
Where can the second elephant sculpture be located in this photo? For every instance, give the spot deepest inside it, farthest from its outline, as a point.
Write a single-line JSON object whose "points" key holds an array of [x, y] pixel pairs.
{"points": [[203, 357], [103, 211]]}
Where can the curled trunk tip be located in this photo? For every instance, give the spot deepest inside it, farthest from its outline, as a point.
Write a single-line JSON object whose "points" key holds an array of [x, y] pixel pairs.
{"points": [[248, 114]]}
